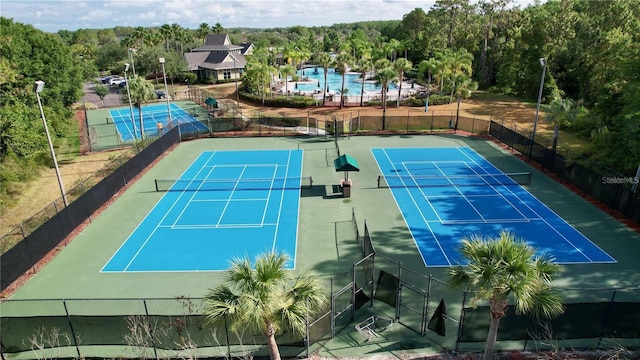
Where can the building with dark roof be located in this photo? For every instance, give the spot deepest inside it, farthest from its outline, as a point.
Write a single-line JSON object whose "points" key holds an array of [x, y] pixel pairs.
{"points": [[218, 58]]}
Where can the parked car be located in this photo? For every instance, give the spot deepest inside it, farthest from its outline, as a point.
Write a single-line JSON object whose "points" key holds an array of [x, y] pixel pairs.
{"points": [[122, 84], [160, 94], [116, 80], [105, 80]]}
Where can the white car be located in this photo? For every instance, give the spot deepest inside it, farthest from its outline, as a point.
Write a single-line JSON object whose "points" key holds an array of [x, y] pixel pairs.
{"points": [[116, 80]]}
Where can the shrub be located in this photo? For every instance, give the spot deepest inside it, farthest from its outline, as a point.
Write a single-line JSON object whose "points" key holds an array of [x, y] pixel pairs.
{"points": [[280, 101], [189, 76]]}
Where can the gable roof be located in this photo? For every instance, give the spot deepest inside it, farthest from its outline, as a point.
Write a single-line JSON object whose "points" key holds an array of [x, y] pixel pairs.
{"points": [[194, 59], [217, 40], [218, 54]]}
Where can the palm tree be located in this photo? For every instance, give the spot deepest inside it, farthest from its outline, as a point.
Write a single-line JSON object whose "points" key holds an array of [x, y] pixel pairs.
{"points": [[265, 298], [401, 66], [429, 67], [165, 31], [343, 61], [503, 268], [141, 92], [203, 31], [383, 78], [343, 96], [217, 28], [560, 112], [364, 67], [459, 63], [324, 60], [286, 71], [463, 86]]}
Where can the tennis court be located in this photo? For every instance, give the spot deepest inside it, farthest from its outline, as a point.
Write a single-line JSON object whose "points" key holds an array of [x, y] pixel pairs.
{"points": [[129, 129], [226, 205], [445, 194]]}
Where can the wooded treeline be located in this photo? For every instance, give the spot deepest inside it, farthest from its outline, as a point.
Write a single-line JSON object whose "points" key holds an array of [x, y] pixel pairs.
{"points": [[592, 49]]}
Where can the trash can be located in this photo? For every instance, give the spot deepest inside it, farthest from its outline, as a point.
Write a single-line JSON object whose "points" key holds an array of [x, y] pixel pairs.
{"points": [[346, 188]]}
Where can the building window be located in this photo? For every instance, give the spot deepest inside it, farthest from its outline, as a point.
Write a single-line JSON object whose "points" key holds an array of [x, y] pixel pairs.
{"points": [[227, 74]]}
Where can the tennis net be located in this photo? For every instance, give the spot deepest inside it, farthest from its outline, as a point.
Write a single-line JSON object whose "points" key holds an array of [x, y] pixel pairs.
{"points": [[233, 184], [389, 181]]}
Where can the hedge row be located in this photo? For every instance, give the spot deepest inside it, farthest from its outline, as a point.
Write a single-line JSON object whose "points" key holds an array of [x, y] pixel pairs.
{"points": [[279, 101]]}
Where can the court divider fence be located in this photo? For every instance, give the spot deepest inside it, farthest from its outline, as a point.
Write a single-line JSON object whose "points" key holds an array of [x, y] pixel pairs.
{"points": [[375, 284], [611, 188]]}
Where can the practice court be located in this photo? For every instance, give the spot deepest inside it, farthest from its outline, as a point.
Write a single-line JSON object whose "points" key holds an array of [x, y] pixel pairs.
{"points": [[226, 205], [129, 128], [445, 194]]}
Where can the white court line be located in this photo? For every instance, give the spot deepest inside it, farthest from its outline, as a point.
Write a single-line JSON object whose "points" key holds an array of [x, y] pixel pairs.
{"points": [[193, 193], [158, 224], [419, 188], [492, 221], [421, 215], [224, 210], [223, 226], [275, 233], [221, 200], [126, 122], [462, 194], [542, 218], [495, 189], [266, 204]]}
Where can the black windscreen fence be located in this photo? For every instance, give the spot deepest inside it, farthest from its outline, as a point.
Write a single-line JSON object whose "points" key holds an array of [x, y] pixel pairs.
{"points": [[32, 248], [611, 188], [579, 321]]}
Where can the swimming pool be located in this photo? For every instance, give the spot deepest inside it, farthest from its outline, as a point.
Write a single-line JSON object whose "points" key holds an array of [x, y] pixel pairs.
{"points": [[315, 82]]}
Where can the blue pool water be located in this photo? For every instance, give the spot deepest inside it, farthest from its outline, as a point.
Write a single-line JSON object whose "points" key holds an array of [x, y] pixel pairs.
{"points": [[315, 81]]}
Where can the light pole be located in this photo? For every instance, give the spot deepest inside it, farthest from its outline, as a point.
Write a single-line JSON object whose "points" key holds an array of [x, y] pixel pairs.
{"points": [[37, 87], [133, 66], [235, 70], [543, 63], [166, 92], [133, 120]]}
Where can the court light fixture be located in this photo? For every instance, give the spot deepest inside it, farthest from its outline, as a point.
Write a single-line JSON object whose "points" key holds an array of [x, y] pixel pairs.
{"points": [[543, 63], [133, 121], [38, 86]]}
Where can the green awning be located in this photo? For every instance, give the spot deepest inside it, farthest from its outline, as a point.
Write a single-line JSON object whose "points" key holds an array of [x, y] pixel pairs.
{"points": [[346, 163], [211, 102]]}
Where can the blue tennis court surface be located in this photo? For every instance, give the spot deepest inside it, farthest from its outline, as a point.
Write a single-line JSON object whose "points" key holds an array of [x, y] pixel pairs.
{"points": [[446, 194], [151, 116], [227, 204]]}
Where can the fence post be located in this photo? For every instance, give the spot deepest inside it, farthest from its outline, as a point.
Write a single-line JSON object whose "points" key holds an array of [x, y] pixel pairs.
{"points": [[425, 308], [226, 332], [398, 293], [333, 309], [306, 322], [353, 292], [606, 318], [407, 121], [431, 127], [73, 333], [153, 340], [464, 299]]}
